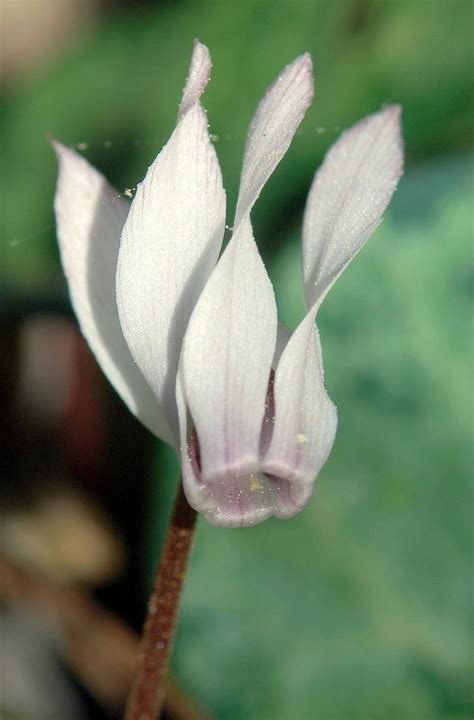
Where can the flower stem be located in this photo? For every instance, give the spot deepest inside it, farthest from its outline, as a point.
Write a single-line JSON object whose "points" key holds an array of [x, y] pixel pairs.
{"points": [[146, 697]]}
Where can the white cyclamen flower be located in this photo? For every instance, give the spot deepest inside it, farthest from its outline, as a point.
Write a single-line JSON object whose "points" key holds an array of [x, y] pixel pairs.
{"points": [[190, 340]]}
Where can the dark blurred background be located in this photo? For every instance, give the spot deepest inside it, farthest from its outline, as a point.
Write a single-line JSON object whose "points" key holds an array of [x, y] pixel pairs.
{"points": [[359, 607]]}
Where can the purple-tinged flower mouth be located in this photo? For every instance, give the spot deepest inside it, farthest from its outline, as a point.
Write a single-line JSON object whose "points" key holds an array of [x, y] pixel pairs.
{"points": [[247, 499], [245, 494], [239, 498]]}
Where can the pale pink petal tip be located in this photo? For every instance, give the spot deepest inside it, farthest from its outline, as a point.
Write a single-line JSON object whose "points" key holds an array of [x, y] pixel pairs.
{"points": [[198, 77], [383, 128], [298, 78], [272, 129], [59, 149], [304, 64], [393, 113]]}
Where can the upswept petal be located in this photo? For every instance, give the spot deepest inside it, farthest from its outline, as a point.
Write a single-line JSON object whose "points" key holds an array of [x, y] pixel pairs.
{"points": [[170, 244], [305, 418], [348, 197], [90, 215], [198, 77], [271, 131], [226, 358]]}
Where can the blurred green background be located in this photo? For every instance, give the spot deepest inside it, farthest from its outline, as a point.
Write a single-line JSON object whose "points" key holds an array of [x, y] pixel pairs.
{"points": [[359, 608]]}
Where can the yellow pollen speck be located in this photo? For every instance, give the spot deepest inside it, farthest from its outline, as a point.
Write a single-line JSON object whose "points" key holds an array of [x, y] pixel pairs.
{"points": [[301, 438], [255, 483]]}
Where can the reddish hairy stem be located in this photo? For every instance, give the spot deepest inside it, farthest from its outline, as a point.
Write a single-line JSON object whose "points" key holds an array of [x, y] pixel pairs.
{"points": [[146, 697]]}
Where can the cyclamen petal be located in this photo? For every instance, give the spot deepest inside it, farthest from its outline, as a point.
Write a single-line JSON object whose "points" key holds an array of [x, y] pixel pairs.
{"points": [[348, 197], [90, 215], [274, 124], [305, 419], [198, 77], [170, 244], [226, 363]]}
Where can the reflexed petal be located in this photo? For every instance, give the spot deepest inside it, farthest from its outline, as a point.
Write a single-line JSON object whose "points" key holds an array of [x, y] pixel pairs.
{"points": [[272, 129], [305, 418], [90, 215], [348, 198], [226, 361], [170, 244], [198, 77]]}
